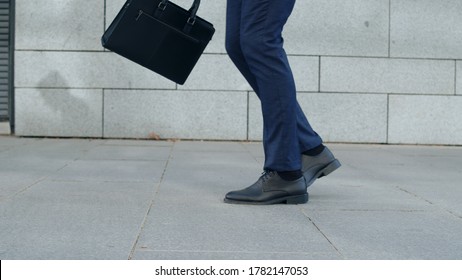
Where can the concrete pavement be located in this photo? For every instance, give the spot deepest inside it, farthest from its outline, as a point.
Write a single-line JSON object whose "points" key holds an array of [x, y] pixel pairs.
{"points": [[128, 199]]}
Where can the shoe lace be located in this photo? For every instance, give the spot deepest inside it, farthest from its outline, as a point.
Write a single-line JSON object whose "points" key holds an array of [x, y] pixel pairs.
{"points": [[266, 175]]}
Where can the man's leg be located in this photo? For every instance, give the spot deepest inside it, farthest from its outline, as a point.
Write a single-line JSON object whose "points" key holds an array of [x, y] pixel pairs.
{"points": [[262, 22], [261, 47], [233, 41], [256, 26], [307, 137]]}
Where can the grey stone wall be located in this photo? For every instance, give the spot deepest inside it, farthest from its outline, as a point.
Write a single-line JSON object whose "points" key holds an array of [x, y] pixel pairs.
{"points": [[376, 71]]}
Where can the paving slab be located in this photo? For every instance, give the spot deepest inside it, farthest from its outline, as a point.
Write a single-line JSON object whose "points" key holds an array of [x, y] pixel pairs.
{"points": [[73, 220], [334, 195], [431, 175], [391, 234], [210, 225], [27, 161], [189, 216]]}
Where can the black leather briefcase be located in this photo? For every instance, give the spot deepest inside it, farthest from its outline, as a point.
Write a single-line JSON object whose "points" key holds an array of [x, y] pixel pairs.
{"points": [[160, 36]]}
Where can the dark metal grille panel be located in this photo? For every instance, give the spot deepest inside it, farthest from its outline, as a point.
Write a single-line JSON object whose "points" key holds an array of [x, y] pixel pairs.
{"points": [[4, 58]]}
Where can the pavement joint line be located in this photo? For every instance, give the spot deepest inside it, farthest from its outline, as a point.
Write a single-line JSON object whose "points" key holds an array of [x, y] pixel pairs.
{"points": [[431, 203], [218, 251], [322, 233], [41, 179], [96, 181], [143, 223], [414, 195], [101, 181], [376, 210], [455, 214], [120, 159], [24, 189], [66, 181], [140, 145]]}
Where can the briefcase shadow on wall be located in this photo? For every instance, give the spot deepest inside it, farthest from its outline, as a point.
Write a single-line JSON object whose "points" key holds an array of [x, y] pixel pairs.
{"points": [[160, 36]]}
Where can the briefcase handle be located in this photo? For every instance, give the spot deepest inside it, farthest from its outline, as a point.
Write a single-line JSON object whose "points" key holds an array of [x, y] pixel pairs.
{"points": [[192, 11]]}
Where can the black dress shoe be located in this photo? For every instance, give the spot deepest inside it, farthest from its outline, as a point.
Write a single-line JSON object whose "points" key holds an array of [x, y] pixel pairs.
{"points": [[314, 167], [271, 189]]}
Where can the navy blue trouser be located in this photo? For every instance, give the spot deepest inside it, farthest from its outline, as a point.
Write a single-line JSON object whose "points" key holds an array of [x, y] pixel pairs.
{"points": [[255, 45]]}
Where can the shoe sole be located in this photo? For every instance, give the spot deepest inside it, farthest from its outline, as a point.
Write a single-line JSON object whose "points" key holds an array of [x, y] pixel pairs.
{"points": [[331, 167], [296, 199]]}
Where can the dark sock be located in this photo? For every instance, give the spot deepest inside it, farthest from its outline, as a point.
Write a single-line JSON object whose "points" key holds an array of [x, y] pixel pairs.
{"points": [[290, 175], [315, 151]]}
